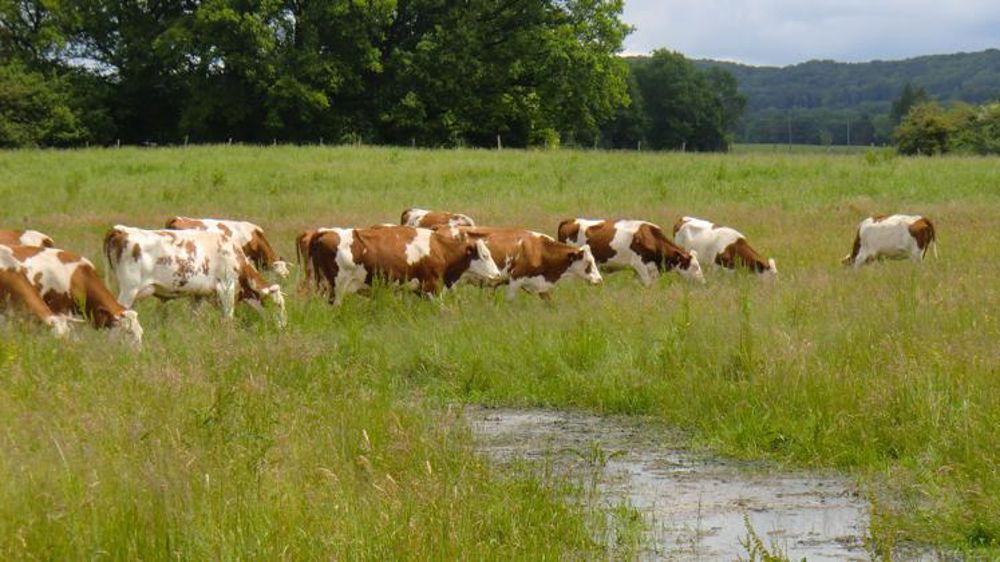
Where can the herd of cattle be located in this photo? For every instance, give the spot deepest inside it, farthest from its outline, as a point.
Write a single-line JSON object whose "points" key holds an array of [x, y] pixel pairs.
{"points": [[428, 250]]}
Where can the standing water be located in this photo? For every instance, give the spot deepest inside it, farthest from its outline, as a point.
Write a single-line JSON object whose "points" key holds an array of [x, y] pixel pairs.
{"points": [[697, 507]]}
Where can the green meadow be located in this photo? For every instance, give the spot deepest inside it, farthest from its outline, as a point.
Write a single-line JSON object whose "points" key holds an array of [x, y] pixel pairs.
{"points": [[342, 437]]}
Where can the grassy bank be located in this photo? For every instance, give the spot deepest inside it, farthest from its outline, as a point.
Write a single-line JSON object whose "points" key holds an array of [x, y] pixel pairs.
{"points": [[238, 441]]}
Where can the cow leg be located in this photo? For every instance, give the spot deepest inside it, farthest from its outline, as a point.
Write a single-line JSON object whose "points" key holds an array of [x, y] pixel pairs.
{"points": [[256, 305], [129, 295], [643, 272], [512, 289], [226, 291]]}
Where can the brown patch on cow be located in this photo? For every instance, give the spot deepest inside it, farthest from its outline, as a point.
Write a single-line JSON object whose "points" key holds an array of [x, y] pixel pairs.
{"points": [[66, 257], [922, 230], [227, 232], [716, 226], [22, 253], [879, 218], [679, 224], [37, 279], [184, 223], [652, 246], [599, 237], [16, 291], [259, 250], [568, 230], [740, 255], [855, 249], [136, 252], [164, 260], [526, 254], [13, 238]]}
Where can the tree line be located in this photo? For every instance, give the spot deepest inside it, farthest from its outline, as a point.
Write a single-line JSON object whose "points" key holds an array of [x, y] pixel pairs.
{"points": [[827, 102], [405, 72]]}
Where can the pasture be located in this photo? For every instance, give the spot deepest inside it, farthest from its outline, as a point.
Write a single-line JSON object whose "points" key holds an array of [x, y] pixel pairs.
{"points": [[342, 436]]}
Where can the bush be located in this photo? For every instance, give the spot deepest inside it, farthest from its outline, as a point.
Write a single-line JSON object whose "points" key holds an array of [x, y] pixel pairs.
{"points": [[35, 110]]}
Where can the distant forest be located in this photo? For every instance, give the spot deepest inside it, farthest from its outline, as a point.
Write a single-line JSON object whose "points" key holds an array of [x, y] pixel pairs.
{"points": [[822, 102]]}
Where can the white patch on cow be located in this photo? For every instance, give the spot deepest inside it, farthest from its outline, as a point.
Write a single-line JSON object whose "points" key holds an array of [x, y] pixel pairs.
{"points": [[536, 285], [482, 267], [413, 216], [581, 233], [419, 247], [128, 328], [693, 271], [350, 275], [458, 219], [887, 238], [585, 268], [34, 238]]}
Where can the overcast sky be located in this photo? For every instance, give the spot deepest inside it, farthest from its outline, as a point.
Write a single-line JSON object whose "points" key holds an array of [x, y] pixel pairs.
{"points": [[781, 32]]}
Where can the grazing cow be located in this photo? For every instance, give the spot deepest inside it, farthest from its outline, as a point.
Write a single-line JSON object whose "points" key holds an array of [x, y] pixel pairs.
{"points": [[187, 263], [70, 285], [428, 219], [350, 258], [722, 246], [639, 245], [25, 238], [534, 261], [892, 237], [15, 289], [247, 235]]}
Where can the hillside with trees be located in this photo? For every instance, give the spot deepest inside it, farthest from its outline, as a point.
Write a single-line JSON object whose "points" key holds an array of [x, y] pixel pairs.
{"points": [[821, 102]]}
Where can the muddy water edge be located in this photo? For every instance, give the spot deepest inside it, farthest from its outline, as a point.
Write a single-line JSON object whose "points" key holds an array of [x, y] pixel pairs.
{"points": [[695, 506]]}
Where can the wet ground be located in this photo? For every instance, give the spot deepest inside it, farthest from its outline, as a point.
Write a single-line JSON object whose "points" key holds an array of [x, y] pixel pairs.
{"points": [[696, 506]]}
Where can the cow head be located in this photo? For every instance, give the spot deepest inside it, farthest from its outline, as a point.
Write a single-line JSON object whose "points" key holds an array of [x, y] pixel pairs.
{"points": [[127, 327], [771, 272], [690, 268], [584, 266], [280, 267], [59, 324], [481, 265], [278, 298]]}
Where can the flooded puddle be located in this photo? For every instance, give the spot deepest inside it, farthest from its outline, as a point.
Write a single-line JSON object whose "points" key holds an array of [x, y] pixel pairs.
{"points": [[696, 506]]}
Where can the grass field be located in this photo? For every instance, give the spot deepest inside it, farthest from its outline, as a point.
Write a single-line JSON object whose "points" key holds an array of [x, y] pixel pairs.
{"points": [[341, 437]]}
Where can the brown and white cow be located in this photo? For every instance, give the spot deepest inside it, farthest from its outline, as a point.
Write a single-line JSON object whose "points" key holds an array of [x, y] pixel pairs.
{"points": [[70, 285], [639, 245], [891, 237], [171, 264], [17, 291], [534, 261], [428, 219], [350, 258], [722, 246], [247, 235], [25, 238]]}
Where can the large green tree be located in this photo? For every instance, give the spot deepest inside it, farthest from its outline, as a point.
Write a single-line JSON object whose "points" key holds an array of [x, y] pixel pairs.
{"points": [[686, 107]]}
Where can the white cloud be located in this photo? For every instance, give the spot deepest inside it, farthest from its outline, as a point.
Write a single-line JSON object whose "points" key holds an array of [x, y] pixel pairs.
{"points": [[779, 32]]}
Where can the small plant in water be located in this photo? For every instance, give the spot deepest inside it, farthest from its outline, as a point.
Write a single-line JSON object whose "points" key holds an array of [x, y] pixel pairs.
{"points": [[756, 550]]}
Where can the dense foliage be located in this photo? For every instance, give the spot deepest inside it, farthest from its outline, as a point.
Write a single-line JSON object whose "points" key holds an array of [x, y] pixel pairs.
{"points": [[850, 103], [676, 106], [427, 72], [929, 129]]}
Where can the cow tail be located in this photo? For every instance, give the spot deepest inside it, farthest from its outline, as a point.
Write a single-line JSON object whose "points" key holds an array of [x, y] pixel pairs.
{"points": [[109, 240], [933, 238]]}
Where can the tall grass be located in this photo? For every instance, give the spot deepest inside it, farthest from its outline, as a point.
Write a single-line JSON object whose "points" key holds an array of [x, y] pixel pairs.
{"points": [[239, 441]]}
